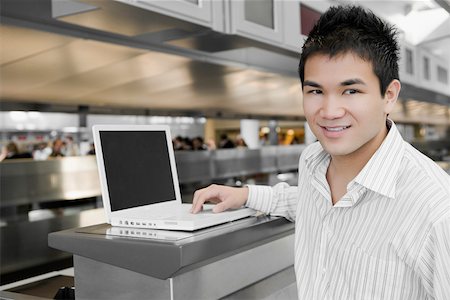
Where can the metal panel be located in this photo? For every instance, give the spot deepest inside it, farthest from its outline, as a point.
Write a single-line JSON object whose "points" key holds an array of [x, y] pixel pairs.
{"points": [[288, 157], [97, 280], [235, 162], [235, 272], [28, 182], [268, 156], [193, 166]]}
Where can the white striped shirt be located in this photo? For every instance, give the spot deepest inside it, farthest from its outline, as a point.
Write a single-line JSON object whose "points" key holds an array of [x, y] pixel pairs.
{"points": [[387, 238]]}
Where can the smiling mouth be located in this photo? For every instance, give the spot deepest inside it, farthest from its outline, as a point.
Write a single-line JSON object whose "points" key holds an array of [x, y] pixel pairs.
{"points": [[335, 128]]}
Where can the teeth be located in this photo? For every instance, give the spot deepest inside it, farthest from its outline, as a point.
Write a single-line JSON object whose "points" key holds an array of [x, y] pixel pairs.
{"points": [[335, 129]]}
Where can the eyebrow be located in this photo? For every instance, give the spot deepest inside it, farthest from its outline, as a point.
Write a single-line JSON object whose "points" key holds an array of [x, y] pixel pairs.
{"points": [[352, 81], [343, 83], [311, 83]]}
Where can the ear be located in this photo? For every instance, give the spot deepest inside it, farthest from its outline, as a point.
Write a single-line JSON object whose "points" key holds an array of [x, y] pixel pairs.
{"points": [[391, 95]]}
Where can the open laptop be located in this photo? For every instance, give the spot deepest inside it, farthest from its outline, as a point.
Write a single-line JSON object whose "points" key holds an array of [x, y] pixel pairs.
{"points": [[139, 181]]}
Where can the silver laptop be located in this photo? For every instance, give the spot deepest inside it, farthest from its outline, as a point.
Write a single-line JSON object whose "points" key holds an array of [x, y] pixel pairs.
{"points": [[139, 181]]}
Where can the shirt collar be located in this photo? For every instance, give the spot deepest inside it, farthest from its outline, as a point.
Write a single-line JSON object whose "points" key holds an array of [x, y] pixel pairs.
{"points": [[315, 158], [380, 172]]}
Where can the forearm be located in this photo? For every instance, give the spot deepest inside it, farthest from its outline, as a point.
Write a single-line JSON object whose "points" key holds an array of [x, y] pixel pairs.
{"points": [[279, 200]]}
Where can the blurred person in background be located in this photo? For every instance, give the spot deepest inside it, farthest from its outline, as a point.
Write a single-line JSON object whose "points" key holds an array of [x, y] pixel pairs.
{"points": [[198, 144], [71, 148], [240, 142], [225, 142], [264, 140], [187, 142], [57, 148], [179, 143], [211, 144], [42, 151], [11, 151], [3, 153], [91, 149]]}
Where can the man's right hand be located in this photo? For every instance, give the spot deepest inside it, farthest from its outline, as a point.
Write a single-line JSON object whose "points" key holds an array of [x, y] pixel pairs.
{"points": [[225, 197]]}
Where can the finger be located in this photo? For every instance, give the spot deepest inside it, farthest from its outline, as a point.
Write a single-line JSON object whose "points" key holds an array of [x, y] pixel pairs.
{"points": [[196, 205], [200, 197], [221, 207], [209, 194]]}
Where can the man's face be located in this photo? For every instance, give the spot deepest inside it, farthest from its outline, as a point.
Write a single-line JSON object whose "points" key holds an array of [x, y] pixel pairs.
{"points": [[343, 104]]}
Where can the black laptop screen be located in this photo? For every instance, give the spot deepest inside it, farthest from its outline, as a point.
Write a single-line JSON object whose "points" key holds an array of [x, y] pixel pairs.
{"points": [[137, 167]]}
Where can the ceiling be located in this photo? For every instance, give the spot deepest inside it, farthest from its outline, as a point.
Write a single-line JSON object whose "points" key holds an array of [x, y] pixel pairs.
{"points": [[99, 60], [411, 16], [45, 67]]}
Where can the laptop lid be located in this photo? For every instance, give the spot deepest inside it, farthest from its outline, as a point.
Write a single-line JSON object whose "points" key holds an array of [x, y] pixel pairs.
{"points": [[136, 166]]}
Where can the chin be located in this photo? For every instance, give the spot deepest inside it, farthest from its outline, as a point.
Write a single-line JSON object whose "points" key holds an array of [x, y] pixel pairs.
{"points": [[337, 150]]}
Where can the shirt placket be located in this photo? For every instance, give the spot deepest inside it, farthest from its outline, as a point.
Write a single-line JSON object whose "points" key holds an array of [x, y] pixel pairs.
{"points": [[322, 278], [323, 266]]}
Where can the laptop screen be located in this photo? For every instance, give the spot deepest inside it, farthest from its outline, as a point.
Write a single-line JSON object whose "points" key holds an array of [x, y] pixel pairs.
{"points": [[137, 167]]}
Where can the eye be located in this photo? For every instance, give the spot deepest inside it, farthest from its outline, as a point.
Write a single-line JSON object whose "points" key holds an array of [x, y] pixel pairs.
{"points": [[351, 91], [314, 92]]}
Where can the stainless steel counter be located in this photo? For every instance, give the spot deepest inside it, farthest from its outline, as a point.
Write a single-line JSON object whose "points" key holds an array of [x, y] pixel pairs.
{"points": [[206, 264]]}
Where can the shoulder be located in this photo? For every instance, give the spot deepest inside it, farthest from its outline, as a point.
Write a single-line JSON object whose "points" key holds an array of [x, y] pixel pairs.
{"points": [[424, 184], [426, 170]]}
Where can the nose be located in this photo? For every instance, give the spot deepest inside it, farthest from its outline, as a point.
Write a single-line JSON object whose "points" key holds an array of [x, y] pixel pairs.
{"points": [[331, 109]]}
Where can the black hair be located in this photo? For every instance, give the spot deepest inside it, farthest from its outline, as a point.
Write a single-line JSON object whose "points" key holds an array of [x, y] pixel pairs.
{"points": [[343, 29]]}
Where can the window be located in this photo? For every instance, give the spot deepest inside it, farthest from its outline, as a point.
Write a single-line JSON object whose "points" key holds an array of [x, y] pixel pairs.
{"points": [[260, 12], [426, 68], [409, 61], [308, 18], [442, 74]]}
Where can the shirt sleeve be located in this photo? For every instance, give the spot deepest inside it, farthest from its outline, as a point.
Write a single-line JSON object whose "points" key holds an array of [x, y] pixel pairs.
{"points": [[279, 200], [434, 261]]}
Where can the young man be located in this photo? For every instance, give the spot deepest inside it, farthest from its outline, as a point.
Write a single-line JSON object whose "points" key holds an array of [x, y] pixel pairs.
{"points": [[372, 213]]}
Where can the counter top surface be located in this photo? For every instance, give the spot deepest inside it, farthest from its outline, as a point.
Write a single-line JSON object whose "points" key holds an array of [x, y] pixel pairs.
{"points": [[163, 254]]}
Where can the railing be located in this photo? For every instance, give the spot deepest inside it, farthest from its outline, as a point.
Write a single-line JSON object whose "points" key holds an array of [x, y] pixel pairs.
{"points": [[27, 181]]}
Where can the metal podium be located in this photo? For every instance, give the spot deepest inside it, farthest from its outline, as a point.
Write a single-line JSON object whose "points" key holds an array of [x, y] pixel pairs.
{"points": [[249, 258]]}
